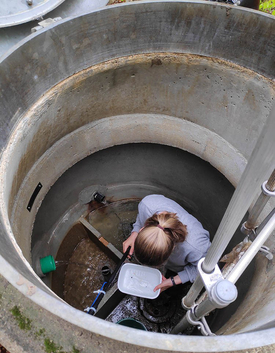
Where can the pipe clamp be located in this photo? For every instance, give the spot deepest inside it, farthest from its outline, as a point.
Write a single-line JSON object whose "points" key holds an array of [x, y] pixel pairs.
{"points": [[221, 292], [266, 191], [209, 279]]}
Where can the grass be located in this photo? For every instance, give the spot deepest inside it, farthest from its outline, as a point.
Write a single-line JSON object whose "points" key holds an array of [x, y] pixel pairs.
{"points": [[268, 6]]}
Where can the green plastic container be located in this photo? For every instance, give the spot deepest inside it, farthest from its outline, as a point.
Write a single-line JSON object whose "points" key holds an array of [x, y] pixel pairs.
{"points": [[129, 322], [47, 264]]}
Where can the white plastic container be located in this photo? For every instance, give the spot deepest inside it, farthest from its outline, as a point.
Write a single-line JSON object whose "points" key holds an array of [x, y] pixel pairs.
{"points": [[139, 280]]}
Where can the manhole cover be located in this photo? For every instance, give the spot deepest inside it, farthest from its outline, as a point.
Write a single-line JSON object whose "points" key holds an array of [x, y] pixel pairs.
{"points": [[21, 11], [158, 310]]}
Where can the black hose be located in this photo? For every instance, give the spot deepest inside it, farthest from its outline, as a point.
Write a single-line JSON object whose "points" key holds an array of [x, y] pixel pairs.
{"points": [[93, 308]]}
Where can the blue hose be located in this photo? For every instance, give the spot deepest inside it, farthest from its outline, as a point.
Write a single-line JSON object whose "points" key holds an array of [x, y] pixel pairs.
{"points": [[99, 292], [92, 309]]}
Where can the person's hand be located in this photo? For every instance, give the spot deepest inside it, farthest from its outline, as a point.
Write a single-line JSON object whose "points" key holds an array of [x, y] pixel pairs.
{"points": [[130, 242], [167, 283]]}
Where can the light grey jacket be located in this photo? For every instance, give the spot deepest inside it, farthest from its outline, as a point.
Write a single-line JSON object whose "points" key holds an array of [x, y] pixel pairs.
{"points": [[185, 255]]}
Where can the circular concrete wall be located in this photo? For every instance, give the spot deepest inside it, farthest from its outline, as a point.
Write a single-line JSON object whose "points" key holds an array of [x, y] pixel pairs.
{"points": [[180, 74]]}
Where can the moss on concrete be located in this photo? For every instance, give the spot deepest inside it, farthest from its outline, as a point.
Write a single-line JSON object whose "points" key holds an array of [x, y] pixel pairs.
{"points": [[52, 347], [40, 333], [59, 335], [75, 350], [23, 322]]}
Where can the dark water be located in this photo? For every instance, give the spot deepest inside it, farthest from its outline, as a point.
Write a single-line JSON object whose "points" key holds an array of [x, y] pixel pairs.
{"points": [[83, 274], [114, 220]]}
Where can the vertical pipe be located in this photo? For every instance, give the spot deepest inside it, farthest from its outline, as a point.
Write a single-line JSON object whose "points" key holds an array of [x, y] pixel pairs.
{"points": [[260, 203], [189, 299], [260, 166], [258, 169], [207, 305]]}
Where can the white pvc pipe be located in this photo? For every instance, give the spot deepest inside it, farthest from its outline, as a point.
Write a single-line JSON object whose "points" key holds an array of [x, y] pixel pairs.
{"points": [[259, 168]]}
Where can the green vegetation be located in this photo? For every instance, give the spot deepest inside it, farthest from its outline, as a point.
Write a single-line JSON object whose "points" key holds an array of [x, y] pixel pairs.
{"points": [[40, 333], [75, 350], [268, 6], [51, 347], [23, 322]]}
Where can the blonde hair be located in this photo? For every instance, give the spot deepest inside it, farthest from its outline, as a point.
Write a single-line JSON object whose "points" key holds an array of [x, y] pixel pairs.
{"points": [[156, 241]]}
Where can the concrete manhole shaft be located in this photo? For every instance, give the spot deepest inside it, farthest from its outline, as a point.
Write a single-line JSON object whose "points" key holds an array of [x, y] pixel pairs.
{"points": [[149, 97]]}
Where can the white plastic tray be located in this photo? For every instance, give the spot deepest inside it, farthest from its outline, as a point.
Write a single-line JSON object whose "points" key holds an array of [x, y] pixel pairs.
{"points": [[139, 280]]}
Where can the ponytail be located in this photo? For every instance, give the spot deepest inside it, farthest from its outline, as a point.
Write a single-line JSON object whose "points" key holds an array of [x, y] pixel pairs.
{"points": [[156, 241]]}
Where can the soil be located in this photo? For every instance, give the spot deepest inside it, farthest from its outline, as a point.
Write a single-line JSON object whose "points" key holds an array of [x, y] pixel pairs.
{"points": [[3, 349]]}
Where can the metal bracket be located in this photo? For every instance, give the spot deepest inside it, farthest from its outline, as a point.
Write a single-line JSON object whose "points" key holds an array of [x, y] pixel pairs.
{"points": [[45, 23], [221, 292], [209, 279], [251, 235], [265, 250], [202, 323], [250, 232], [266, 191]]}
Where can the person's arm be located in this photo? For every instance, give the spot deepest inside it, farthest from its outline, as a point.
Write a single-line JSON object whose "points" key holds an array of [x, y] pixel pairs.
{"points": [[190, 271], [130, 242], [143, 214], [138, 223]]}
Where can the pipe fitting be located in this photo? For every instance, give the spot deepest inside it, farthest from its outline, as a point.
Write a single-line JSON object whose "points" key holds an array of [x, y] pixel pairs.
{"points": [[266, 191], [185, 306], [250, 232], [201, 323], [209, 279], [223, 293], [47, 264], [98, 197]]}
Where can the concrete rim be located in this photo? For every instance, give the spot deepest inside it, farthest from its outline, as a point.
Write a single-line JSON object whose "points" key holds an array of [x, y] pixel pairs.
{"points": [[146, 339]]}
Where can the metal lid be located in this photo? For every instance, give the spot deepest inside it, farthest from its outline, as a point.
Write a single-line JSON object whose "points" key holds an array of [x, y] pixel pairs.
{"points": [[21, 11]]}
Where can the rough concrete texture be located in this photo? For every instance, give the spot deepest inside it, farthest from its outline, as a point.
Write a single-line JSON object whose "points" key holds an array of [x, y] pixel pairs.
{"points": [[219, 98], [25, 327]]}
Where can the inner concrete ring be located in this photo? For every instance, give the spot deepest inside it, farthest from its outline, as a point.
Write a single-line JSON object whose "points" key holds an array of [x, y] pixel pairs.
{"points": [[108, 132]]}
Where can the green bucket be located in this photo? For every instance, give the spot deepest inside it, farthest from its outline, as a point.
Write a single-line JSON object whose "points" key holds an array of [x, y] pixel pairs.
{"points": [[47, 264], [129, 322]]}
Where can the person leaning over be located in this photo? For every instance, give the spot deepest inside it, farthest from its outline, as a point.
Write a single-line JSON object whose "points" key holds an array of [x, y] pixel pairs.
{"points": [[166, 234]]}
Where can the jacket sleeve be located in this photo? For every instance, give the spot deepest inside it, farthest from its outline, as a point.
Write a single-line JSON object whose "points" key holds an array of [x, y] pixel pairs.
{"points": [[190, 271], [138, 224]]}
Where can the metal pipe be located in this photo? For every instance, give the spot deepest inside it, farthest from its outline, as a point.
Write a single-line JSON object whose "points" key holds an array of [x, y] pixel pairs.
{"points": [[270, 185], [207, 305], [181, 326], [250, 253], [189, 299], [261, 202], [220, 294], [252, 177]]}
